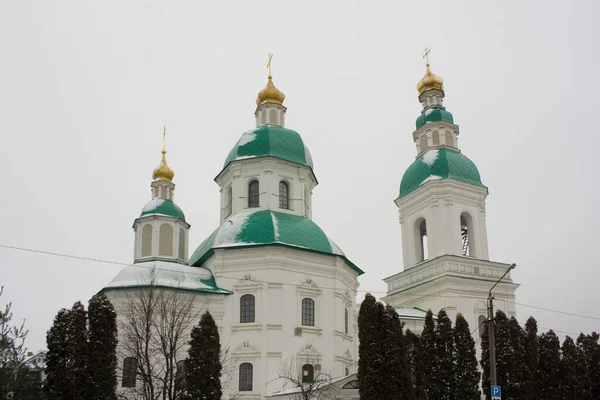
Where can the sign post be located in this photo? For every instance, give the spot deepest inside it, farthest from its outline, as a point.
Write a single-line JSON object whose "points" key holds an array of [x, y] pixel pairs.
{"points": [[496, 393]]}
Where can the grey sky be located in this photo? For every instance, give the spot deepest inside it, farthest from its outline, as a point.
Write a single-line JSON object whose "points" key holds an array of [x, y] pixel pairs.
{"points": [[86, 86]]}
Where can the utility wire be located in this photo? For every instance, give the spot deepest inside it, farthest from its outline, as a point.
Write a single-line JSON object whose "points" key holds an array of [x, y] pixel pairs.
{"points": [[421, 297]]}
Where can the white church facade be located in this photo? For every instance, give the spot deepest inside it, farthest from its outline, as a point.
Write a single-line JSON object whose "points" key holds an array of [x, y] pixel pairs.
{"points": [[278, 288]]}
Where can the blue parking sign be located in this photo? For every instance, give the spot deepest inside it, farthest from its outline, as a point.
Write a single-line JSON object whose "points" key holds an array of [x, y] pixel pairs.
{"points": [[496, 392]]}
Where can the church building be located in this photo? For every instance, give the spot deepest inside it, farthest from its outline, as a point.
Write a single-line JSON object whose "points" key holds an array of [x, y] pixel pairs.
{"points": [[280, 290]]}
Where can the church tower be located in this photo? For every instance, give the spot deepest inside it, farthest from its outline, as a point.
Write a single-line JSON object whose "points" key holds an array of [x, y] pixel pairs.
{"points": [[161, 232], [442, 218], [293, 290]]}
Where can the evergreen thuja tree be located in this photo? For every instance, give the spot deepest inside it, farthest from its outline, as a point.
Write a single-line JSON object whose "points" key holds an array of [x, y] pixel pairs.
{"points": [[503, 350], [442, 384], [574, 379], [203, 366], [389, 352], [67, 371], [411, 343], [590, 346], [466, 375], [530, 361], [102, 348], [369, 361], [77, 343], [427, 357], [516, 372], [485, 363], [548, 366]]}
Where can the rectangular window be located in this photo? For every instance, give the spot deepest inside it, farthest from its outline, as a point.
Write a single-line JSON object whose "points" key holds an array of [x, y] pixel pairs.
{"points": [[129, 370], [245, 377]]}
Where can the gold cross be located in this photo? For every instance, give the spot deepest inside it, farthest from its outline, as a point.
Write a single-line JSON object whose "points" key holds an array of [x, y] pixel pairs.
{"points": [[269, 63], [426, 55], [165, 138]]}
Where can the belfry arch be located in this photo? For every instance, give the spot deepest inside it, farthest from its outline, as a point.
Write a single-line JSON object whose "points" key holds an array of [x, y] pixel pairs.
{"points": [[467, 235], [421, 241]]}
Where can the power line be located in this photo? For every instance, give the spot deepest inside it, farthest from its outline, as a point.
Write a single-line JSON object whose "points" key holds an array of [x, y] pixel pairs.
{"points": [[421, 297]]}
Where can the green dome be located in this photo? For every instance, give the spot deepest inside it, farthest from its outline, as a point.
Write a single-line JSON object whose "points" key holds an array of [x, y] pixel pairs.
{"points": [[439, 164], [163, 207], [434, 115], [268, 228], [271, 140]]}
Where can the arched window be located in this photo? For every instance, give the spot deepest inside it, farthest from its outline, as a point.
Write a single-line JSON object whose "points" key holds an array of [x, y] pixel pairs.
{"points": [[449, 139], [228, 201], [481, 324], [346, 322], [180, 376], [253, 195], [308, 312], [467, 238], [247, 308], [181, 254], [308, 373], [147, 240], [423, 143], [165, 236], [284, 195], [346, 372], [273, 117], [421, 240], [129, 372], [435, 138], [245, 384], [351, 385]]}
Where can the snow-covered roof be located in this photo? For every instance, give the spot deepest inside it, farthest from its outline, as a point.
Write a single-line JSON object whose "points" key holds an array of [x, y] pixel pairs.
{"points": [[165, 274], [412, 313]]}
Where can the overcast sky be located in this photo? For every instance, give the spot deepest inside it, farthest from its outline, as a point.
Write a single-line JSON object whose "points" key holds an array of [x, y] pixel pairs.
{"points": [[86, 87]]}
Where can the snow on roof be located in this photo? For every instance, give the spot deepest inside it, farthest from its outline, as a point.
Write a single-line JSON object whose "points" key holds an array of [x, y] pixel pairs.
{"points": [[412, 313], [247, 137], [430, 157], [165, 274]]}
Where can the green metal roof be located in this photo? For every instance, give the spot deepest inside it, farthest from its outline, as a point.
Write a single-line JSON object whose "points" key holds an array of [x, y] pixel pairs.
{"points": [[439, 164], [271, 140], [267, 227], [163, 207], [434, 115], [165, 274]]}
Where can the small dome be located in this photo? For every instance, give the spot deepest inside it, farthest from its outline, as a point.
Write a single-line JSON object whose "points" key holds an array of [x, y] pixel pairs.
{"points": [[163, 207], [271, 140], [434, 115], [439, 164], [262, 228], [430, 81], [270, 94], [163, 172]]}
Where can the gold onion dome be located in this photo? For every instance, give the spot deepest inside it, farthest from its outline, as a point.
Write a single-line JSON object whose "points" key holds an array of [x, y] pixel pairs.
{"points": [[163, 172], [270, 94], [430, 81]]}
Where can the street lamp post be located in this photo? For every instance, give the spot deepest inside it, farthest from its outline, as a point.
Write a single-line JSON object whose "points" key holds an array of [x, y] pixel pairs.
{"points": [[492, 339]]}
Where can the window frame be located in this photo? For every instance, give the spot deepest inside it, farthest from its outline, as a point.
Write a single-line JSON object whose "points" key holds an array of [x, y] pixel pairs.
{"points": [[247, 311], [253, 194], [308, 312], [246, 371], [128, 379], [346, 330], [284, 198], [309, 377]]}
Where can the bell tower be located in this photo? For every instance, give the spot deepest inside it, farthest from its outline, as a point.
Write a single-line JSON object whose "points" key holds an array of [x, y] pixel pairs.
{"points": [[442, 218]]}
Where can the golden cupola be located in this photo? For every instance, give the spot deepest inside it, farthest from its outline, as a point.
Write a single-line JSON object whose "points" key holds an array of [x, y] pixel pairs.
{"points": [[270, 94], [429, 81], [163, 172]]}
